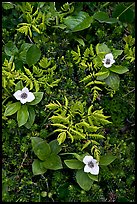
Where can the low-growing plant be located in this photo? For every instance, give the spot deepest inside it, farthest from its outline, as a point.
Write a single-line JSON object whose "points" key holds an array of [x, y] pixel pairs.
{"points": [[68, 101]]}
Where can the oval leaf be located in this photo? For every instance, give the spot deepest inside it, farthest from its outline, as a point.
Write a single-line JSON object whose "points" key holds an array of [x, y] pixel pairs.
{"points": [[19, 86], [31, 118], [38, 98], [74, 164], [37, 167], [55, 147], [7, 5], [113, 81], [22, 115], [107, 159], [103, 17], [93, 177], [53, 162], [102, 48], [12, 108], [61, 137], [35, 141], [125, 15], [78, 22], [83, 180], [116, 53], [33, 55], [10, 49], [42, 150], [102, 75], [119, 69]]}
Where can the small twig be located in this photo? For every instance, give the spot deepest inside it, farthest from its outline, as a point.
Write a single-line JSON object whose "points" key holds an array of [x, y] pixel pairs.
{"points": [[25, 156], [129, 92], [125, 10], [30, 39]]}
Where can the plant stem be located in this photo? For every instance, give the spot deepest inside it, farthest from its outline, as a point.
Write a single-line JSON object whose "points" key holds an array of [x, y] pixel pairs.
{"points": [[125, 10]]}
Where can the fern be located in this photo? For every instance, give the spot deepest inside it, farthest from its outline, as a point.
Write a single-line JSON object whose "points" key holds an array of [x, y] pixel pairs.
{"points": [[65, 119]]}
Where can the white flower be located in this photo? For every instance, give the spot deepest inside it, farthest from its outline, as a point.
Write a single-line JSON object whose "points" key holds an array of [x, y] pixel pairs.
{"points": [[91, 165], [108, 60], [24, 95]]}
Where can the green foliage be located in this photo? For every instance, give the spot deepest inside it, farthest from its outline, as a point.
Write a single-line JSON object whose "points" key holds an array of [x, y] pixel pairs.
{"points": [[83, 180], [33, 55], [103, 17], [25, 113], [12, 108], [22, 115], [72, 122], [107, 159], [56, 49], [99, 75], [78, 22], [48, 158]]}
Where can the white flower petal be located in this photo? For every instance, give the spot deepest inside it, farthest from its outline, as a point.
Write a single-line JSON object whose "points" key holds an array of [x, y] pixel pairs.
{"points": [[22, 100], [17, 94], [95, 169], [30, 97], [107, 65], [94, 161], [109, 56], [87, 169], [25, 90], [87, 159]]}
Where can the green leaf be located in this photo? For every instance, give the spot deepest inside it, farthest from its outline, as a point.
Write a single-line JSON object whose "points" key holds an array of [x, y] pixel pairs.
{"points": [[81, 41], [106, 159], [35, 141], [59, 119], [19, 86], [55, 147], [111, 20], [62, 26], [83, 180], [7, 5], [119, 69], [42, 150], [37, 167], [12, 108], [22, 115], [125, 15], [10, 49], [59, 125], [102, 48], [100, 16], [102, 75], [38, 98], [113, 81], [31, 118], [33, 55], [23, 51], [116, 53], [53, 162], [77, 156], [78, 22], [74, 164], [61, 137], [52, 106], [93, 177], [103, 17], [97, 136]]}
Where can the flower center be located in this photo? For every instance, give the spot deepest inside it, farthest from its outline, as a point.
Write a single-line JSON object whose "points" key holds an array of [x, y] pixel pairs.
{"points": [[90, 164], [108, 61], [24, 95]]}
